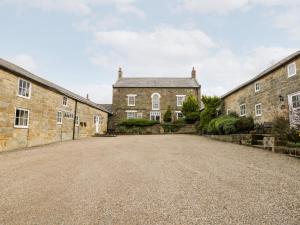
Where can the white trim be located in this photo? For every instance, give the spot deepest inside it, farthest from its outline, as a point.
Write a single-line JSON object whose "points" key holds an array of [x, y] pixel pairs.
{"points": [[255, 108], [61, 117], [18, 87], [77, 124], [158, 101], [241, 111], [290, 96], [18, 126], [139, 115], [134, 114], [177, 112], [128, 96], [131, 95], [130, 110], [66, 101], [184, 96], [155, 112], [288, 71], [257, 90]]}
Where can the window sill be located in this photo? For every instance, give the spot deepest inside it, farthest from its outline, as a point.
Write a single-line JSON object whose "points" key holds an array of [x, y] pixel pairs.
{"points": [[21, 96], [21, 127]]}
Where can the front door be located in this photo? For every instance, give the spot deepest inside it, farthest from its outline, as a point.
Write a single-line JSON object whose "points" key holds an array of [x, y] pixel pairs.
{"points": [[294, 108]]}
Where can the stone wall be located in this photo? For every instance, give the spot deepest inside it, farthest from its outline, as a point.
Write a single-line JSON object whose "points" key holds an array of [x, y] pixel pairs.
{"points": [[43, 106], [273, 85], [144, 101]]}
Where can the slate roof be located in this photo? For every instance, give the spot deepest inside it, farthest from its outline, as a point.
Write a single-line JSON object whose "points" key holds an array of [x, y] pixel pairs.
{"points": [[108, 107], [264, 73], [157, 82], [27, 75]]}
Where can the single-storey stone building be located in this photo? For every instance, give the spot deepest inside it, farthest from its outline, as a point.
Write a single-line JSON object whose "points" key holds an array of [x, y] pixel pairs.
{"points": [[149, 97], [34, 111], [275, 91]]}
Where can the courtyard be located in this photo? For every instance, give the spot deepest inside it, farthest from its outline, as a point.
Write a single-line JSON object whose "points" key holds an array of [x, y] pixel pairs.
{"points": [[155, 179]]}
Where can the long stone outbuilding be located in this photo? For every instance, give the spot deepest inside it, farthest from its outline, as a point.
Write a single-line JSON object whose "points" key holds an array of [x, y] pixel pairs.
{"points": [[34, 111]]}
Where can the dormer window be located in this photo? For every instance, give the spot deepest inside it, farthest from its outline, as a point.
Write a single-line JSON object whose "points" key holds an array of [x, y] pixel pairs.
{"points": [[155, 101], [292, 69], [257, 87], [65, 101], [24, 88], [131, 100]]}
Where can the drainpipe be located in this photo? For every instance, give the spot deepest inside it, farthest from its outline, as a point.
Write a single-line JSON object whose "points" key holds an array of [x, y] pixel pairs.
{"points": [[74, 121]]}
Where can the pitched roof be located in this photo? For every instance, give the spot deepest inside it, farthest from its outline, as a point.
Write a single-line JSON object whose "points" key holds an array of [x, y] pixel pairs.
{"points": [[26, 74], [108, 107], [264, 73], [157, 82]]}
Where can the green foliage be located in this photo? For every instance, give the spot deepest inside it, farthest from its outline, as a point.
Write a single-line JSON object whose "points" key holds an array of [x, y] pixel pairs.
{"points": [[210, 112], [245, 124], [293, 135], [192, 117], [173, 127], [281, 128], [137, 123], [168, 115], [190, 105], [211, 128]]}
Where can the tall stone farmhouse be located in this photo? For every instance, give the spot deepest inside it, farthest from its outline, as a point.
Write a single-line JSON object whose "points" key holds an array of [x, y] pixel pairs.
{"points": [[275, 91], [149, 98], [34, 111]]}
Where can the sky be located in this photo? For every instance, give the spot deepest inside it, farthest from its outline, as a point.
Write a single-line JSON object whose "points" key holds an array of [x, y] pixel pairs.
{"points": [[80, 44]]}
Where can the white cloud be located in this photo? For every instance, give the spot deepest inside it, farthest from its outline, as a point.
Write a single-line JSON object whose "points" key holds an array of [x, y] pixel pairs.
{"points": [[25, 61]]}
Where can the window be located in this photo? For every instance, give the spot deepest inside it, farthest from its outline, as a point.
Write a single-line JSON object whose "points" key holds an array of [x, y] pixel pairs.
{"points": [[139, 115], [180, 99], [77, 120], [131, 114], [155, 116], [179, 115], [24, 89], [69, 115], [131, 100], [296, 101], [155, 101], [65, 101], [59, 117], [243, 110], [292, 69], [21, 118], [228, 111], [258, 110], [257, 87]]}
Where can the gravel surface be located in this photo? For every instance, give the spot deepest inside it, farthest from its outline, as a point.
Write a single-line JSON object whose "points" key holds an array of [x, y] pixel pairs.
{"points": [[168, 179]]}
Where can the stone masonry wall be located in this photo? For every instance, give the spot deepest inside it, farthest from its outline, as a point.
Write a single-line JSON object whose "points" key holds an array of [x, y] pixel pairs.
{"points": [[144, 102], [43, 105], [273, 85]]}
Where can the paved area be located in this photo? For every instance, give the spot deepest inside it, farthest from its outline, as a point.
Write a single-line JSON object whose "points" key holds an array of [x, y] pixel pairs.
{"points": [[177, 179]]}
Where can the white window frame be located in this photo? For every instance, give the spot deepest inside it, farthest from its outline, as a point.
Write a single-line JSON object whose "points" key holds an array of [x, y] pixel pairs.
{"points": [[21, 126], [155, 113], [152, 96], [128, 99], [63, 101], [139, 115], [257, 84], [131, 111], [244, 110], [29, 90], [59, 117], [183, 99], [77, 120], [288, 69], [256, 106], [177, 112], [291, 99]]}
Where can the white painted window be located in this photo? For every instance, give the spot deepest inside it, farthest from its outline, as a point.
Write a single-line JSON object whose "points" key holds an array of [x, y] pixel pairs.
{"points": [[180, 99], [131, 100], [21, 118], [243, 110], [296, 101], [155, 101], [179, 115], [292, 69], [139, 115], [257, 87], [155, 116], [24, 88], [65, 101], [69, 115], [131, 114], [59, 117], [77, 120], [258, 109]]}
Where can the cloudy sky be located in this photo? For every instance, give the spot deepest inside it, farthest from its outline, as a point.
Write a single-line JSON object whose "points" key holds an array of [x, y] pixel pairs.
{"points": [[79, 44]]}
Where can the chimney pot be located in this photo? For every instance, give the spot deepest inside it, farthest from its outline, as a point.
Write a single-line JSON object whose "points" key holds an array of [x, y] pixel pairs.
{"points": [[120, 73], [194, 73], [87, 97]]}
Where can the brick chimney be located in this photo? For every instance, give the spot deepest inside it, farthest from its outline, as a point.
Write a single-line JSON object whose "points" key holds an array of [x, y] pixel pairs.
{"points": [[120, 73], [87, 97], [194, 73]]}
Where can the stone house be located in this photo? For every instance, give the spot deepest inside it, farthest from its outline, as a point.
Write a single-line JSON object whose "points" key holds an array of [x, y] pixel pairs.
{"points": [[34, 111], [275, 91], [149, 97]]}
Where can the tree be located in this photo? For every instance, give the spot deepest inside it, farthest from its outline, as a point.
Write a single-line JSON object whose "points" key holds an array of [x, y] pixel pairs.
{"points": [[210, 111], [168, 115], [190, 105]]}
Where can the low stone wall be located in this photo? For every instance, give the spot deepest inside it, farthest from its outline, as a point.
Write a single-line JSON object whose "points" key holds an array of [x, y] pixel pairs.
{"points": [[244, 139]]}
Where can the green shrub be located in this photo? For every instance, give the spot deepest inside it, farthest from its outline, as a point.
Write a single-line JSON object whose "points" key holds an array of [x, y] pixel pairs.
{"points": [[192, 117], [211, 128], [138, 123], [168, 115], [190, 105], [293, 135], [229, 125], [173, 127], [210, 112], [245, 124]]}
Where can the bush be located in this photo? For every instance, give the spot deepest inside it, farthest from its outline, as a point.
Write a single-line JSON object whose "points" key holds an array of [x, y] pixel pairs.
{"points": [[173, 127], [168, 115], [190, 105], [293, 135], [210, 112], [211, 128], [245, 124], [192, 117], [138, 123]]}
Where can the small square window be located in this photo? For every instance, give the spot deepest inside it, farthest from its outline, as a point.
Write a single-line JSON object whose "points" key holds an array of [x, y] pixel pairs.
{"points": [[155, 116], [65, 101], [179, 115], [243, 110], [21, 118], [257, 87], [258, 109], [180, 100], [131, 100], [292, 69], [131, 115], [139, 115], [296, 101], [24, 88]]}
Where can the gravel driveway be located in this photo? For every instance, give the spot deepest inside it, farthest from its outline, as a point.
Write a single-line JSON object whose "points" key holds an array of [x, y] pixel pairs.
{"points": [[168, 179]]}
